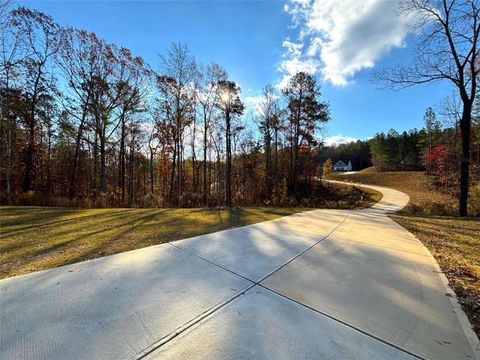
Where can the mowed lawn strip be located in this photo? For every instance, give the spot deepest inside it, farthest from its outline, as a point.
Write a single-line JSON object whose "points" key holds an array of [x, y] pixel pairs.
{"points": [[38, 238], [453, 241]]}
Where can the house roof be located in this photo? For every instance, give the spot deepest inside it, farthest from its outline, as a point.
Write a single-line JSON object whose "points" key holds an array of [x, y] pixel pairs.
{"points": [[340, 163]]}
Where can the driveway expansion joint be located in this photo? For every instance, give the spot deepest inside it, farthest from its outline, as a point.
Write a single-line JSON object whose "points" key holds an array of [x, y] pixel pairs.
{"points": [[217, 307]]}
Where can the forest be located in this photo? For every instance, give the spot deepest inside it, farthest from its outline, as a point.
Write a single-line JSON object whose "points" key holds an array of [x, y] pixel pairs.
{"points": [[435, 148], [88, 123]]}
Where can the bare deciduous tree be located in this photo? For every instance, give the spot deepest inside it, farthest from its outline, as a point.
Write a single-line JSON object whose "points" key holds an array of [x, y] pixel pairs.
{"points": [[448, 50], [231, 105], [208, 97], [176, 87]]}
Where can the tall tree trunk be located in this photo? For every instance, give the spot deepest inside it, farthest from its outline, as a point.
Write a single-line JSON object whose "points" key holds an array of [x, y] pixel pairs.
{"points": [[152, 183], [275, 161], [121, 174], [131, 177], [295, 156], [49, 155], [10, 125], [103, 165], [95, 166], [465, 129], [8, 174], [228, 178], [174, 164], [27, 180], [268, 166], [73, 173], [194, 179], [205, 139]]}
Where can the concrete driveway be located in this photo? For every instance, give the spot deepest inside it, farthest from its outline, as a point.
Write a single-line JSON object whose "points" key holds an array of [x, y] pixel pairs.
{"points": [[325, 284]]}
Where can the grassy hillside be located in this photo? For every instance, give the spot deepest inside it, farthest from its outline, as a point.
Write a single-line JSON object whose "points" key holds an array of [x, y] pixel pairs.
{"points": [[430, 216], [425, 197]]}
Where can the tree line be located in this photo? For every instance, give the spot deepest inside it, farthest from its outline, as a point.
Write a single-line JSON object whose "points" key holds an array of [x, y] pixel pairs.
{"points": [[358, 152], [88, 123], [436, 148]]}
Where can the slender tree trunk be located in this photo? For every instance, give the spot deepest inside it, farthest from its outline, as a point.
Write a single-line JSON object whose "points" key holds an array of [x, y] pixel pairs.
{"points": [[73, 173], [275, 161], [228, 178], [8, 174], [205, 139], [10, 125], [131, 177], [121, 177], [268, 165], [152, 183], [194, 185], [103, 168], [49, 155], [27, 180], [295, 156], [95, 166], [174, 164]]}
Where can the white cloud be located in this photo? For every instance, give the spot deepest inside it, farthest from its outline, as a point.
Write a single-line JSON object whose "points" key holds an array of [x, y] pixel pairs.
{"points": [[338, 139], [294, 61], [253, 100], [340, 38], [253, 103]]}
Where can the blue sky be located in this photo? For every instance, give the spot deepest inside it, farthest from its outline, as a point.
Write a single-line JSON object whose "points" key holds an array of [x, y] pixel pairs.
{"points": [[248, 39]]}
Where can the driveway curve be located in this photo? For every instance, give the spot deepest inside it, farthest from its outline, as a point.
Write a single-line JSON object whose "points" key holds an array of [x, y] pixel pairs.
{"points": [[320, 284]]}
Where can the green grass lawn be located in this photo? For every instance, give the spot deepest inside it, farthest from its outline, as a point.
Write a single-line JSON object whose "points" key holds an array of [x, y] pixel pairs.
{"points": [[37, 238], [453, 241]]}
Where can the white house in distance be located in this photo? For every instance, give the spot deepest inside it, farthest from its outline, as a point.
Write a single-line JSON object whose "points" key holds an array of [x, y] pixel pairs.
{"points": [[342, 165]]}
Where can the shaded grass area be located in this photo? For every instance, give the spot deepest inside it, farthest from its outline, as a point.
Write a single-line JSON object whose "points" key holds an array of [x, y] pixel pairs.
{"points": [[336, 196], [37, 238], [455, 244], [453, 241]]}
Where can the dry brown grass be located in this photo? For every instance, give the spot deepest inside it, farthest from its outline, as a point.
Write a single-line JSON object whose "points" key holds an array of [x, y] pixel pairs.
{"points": [[425, 197], [455, 244], [37, 238]]}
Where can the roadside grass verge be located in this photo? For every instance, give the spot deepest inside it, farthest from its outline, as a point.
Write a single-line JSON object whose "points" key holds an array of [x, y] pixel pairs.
{"points": [[455, 244], [431, 217], [38, 238]]}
